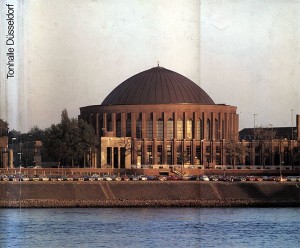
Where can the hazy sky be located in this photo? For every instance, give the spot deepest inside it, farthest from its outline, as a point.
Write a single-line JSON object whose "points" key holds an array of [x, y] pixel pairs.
{"points": [[242, 53]]}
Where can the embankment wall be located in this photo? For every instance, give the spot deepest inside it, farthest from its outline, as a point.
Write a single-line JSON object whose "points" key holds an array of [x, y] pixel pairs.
{"points": [[149, 194]]}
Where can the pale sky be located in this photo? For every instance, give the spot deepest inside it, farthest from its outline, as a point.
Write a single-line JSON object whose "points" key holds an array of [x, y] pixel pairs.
{"points": [[242, 53]]}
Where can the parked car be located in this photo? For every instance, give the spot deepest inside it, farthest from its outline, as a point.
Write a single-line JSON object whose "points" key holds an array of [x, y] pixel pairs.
{"points": [[203, 178], [213, 178]]}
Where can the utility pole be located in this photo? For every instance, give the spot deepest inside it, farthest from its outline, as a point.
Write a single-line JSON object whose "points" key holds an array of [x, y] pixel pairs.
{"points": [[292, 113]]}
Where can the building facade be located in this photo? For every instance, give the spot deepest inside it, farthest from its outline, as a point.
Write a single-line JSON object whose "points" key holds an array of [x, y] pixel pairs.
{"points": [[159, 118]]}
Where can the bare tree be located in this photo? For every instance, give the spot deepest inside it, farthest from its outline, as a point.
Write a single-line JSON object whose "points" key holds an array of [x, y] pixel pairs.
{"points": [[265, 137]]}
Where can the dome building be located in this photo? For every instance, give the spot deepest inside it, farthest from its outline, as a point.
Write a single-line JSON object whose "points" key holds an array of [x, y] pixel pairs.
{"points": [[159, 118]]}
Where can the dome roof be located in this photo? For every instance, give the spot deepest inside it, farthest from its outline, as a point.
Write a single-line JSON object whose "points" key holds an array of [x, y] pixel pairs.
{"points": [[157, 86]]}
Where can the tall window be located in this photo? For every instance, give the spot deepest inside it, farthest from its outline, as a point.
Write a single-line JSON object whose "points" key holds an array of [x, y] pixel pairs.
{"points": [[179, 154], [149, 129], [149, 155], [139, 128], [128, 125], [198, 154], [179, 129], [189, 129], [169, 154], [170, 129], [160, 129], [159, 154], [188, 155], [217, 129], [118, 125], [208, 132], [199, 129], [109, 122]]}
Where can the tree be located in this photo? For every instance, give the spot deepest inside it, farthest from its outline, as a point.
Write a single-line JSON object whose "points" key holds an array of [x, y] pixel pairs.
{"points": [[265, 137], [234, 150], [3, 128], [54, 142], [69, 140]]}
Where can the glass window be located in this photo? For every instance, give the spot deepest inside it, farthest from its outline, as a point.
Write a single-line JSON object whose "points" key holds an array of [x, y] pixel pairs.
{"points": [[199, 129], [217, 129], [118, 125], [128, 126], [159, 154], [179, 129], [149, 129], [208, 132], [189, 129], [160, 129], [139, 128], [170, 129], [169, 154], [109, 122]]}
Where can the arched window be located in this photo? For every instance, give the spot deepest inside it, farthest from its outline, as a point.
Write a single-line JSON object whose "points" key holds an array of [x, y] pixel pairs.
{"points": [[179, 129], [160, 129], [149, 132], [199, 129], [189, 129], [128, 125], [170, 129], [208, 130]]}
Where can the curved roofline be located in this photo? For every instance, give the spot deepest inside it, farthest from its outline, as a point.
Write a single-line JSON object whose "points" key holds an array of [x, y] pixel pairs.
{"points": [[157, 86]]}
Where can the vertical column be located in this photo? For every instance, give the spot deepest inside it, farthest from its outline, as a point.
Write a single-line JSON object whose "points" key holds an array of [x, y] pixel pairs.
{"points": [[204, 121], [164, 151], [193, 151], [144, 151], [154, 151], [184, 125], [175, 125], [221, 125], [298, 126], [213, 126], [174, 152]]}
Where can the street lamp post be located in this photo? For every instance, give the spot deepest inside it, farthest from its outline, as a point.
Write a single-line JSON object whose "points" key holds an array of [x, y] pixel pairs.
{"points": [[12, 148], [292, 115]]}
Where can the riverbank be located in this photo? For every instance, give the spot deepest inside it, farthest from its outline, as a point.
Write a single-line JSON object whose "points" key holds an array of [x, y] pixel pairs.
{"points": [[148, 194]]}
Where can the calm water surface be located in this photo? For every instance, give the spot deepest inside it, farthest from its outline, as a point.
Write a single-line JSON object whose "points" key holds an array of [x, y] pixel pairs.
{"points": [[150, 227]]}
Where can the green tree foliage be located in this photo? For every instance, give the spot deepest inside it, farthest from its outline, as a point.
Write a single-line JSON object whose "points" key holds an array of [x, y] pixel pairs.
{"points": [[3, 128], [69, 140], [36, 133]]}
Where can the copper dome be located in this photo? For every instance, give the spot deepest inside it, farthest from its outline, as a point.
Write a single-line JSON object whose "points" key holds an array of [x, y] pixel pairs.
{"points": [[157, 86]]}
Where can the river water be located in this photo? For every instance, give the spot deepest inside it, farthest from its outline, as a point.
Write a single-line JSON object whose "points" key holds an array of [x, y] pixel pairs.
{"points": [[150, 227]]}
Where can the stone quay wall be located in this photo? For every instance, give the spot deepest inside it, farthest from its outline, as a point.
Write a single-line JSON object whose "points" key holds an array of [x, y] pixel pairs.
{"points": [[148, 194]]}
